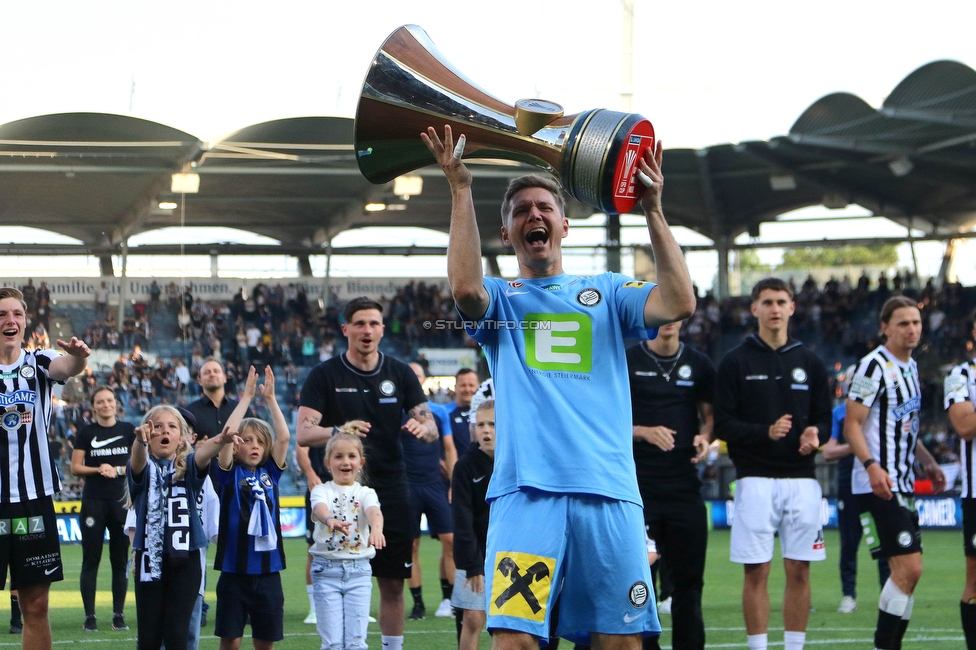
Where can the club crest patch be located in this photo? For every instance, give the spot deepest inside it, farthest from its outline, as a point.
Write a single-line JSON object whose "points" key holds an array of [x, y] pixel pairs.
{"points": [[12, 420], [387, 387], [27, 372], [638, 594], [589, 297]]}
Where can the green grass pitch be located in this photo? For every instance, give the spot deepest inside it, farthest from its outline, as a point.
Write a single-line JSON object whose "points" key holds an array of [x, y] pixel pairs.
{"points": [[935, 623]]}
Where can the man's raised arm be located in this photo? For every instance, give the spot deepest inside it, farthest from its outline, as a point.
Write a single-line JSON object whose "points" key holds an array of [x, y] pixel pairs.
{"points": [[464, 270], [674, 296]]}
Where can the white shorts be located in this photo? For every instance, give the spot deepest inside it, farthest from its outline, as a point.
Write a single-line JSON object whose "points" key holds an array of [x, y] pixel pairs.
{"points": [[766, 506]]}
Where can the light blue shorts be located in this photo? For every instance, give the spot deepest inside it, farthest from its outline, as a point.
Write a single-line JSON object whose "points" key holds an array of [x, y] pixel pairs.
{"points": [[590, 546]]}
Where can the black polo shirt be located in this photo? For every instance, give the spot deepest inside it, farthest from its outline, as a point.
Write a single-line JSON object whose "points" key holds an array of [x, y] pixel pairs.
{"points": [[666, 391], [212, 418]]}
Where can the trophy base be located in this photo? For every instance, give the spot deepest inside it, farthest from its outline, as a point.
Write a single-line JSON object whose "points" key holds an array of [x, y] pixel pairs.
{"points": [[600, 163]]}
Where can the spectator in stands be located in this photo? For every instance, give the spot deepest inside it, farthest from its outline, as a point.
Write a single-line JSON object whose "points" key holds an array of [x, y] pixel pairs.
{"points": [[101, 299], [30, 295], [182, 377], [155, 291]]}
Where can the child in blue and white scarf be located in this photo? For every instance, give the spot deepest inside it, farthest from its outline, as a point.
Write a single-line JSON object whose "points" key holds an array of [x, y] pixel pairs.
{"points": [[250, 553]]}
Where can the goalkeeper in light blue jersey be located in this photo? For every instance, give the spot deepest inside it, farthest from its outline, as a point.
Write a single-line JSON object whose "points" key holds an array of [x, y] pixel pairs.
{"points": [[565, 510]]}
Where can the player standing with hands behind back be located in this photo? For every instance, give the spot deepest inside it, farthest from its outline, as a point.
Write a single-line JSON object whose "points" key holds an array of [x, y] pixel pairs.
{"points": [[882, 429], [567, 368]]}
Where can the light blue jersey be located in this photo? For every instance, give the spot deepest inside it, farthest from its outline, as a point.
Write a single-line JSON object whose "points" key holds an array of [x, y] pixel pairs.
{"points": [[555, 347]]}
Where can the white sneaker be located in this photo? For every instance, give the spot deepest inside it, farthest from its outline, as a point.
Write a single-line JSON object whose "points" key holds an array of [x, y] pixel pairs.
{"points": [[847, 605], [310, 619], [664, 607], [444, 609], [371, 619]]}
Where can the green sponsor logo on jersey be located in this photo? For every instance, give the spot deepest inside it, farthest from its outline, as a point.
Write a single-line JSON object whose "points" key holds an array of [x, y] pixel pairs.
{"points": [[559, 342]]}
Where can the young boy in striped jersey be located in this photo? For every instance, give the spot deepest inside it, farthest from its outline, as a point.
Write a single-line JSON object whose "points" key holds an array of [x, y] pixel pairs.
{"points": [[250, 554]]}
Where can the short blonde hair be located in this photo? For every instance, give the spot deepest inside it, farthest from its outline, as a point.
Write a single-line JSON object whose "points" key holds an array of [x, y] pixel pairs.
{"points": [[10, 292], [262, 430]]}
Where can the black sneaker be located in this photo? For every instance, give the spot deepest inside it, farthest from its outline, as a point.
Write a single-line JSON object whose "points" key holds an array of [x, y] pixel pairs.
{"points": [[90, 624], [419, 612], [203, 619], [16, 627], [118, 623]]}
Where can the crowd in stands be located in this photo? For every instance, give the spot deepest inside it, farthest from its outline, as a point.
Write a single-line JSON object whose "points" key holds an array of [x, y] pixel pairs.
{"points": [[277, 325]]}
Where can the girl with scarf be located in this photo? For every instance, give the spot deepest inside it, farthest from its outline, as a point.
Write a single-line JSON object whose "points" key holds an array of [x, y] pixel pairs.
{"points": [[250, 553], [164, 478]]}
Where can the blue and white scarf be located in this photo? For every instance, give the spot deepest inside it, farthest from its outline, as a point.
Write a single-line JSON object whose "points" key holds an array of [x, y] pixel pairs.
{"points": [[261, 525]]}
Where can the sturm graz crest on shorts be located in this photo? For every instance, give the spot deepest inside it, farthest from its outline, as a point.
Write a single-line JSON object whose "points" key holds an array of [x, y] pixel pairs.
{"points": [[589, 297], [638, 594], [904, 539]]}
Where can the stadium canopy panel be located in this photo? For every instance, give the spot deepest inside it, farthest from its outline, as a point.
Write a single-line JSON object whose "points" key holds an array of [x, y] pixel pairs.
{"points": [[101, 178]]}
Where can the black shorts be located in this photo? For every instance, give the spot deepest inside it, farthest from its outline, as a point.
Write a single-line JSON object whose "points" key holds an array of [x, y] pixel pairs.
{"points": [[396, 559], [259, 596], [29, 543], [969, 526], [430, 499], [890, 527]]}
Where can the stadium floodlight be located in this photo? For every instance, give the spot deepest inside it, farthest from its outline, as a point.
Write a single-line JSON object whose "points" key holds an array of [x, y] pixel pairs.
{"points": [[185, 183], [407, 186], [375, 207], [168, 205], [901, 166], [782, 182]]}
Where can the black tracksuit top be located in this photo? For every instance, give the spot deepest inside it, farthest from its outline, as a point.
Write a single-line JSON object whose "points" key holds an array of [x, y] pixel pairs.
{"points": [[755, 385]]}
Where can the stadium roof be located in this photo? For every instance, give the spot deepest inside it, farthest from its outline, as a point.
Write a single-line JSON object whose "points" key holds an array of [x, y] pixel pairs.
{"points": [[100, 178]]}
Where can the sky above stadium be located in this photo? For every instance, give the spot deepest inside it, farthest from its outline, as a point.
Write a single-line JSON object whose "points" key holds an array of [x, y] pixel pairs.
{"points": [[705, 72]]}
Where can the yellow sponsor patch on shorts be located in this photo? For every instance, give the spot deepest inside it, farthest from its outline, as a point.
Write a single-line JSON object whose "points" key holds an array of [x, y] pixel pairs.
{"points": [[520, 585]]}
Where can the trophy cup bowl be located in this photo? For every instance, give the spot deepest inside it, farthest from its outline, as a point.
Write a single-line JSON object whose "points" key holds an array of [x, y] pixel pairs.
{"points": [[411, 86]]}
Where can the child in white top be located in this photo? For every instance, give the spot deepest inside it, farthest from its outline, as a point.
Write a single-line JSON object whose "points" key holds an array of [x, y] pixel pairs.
{"points": [[348, 530]]}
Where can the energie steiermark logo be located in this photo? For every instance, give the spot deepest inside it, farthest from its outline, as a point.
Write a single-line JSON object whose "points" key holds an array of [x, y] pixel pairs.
{"points": [[564, 343]]}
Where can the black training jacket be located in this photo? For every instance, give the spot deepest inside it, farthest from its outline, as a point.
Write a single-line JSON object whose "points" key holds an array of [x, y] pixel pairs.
{"points": [[468, 489], [754, 386]]}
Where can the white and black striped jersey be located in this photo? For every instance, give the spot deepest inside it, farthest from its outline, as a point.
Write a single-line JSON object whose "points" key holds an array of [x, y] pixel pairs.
{"points": [[890, 388], [960, 386], [27, 469]]}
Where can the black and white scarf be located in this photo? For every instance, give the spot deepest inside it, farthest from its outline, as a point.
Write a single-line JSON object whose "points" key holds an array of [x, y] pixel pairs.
{"points": [[160, 531]]}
